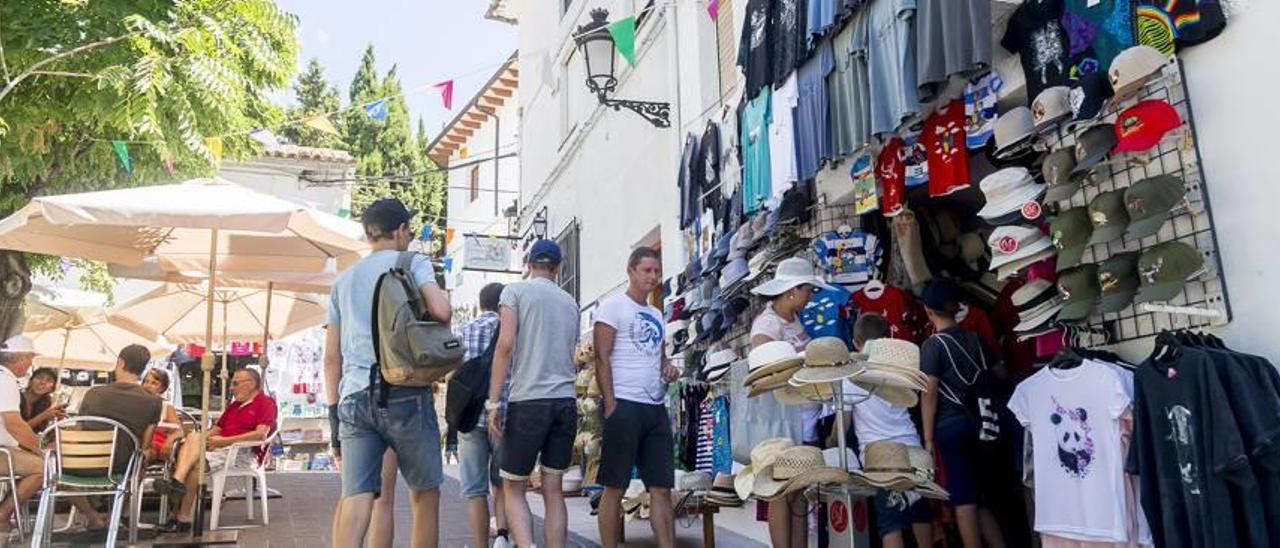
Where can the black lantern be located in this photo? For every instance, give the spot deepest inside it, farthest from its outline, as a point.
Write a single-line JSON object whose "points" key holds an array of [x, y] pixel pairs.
{"points": [[598, 51], [539, 224]]}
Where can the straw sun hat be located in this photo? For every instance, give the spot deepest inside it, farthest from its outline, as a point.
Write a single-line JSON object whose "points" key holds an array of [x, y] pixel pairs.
{"points": [[826, 360], [770, 366], [897, 467], [794, 469], [762, 456], [892, 371]]}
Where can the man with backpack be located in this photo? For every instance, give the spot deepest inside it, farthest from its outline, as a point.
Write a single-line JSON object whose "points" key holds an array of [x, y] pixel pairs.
{"points": [[405, 420], [478, 455], [536, 341]]}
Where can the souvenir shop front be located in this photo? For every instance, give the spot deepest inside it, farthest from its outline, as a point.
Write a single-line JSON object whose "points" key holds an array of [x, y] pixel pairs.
{"points": [[1016, 189]]}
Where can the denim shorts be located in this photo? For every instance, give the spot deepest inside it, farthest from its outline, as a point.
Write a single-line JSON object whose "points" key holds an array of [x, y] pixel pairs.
{"points": [[407, 425], [891, 519], [538, 431], [477, 462]]}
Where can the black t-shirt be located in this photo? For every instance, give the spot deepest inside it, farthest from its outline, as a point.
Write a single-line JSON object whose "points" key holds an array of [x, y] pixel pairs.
{"points": [[688, 181], [1196, 485], [708, 168], [1186, 22], [755, 48], [40, 405], [789, 39], [128, 404], [1254, 395], [957, 357], [1036, 35]]}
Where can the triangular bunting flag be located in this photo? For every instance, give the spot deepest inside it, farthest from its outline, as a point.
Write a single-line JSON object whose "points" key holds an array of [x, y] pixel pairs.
{"points": [[122, 151], [713, 9], [448, 264], [322, 123], [265, 137], [215, 148], [377, 109], [446, 93], [623, 32], [448, 236]]}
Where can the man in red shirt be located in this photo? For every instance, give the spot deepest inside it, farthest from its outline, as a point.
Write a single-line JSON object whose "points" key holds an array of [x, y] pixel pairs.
{"points": [[250, 417]]}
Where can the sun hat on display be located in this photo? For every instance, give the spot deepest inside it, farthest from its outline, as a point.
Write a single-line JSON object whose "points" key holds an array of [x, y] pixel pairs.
{"points": [[1050, 107], [892, 371], [1149, 201], [826, 360], [1037, 303], [722, 492], [693, 481], [1133, 67], [771, 358], [796, 468], [1015, 131], [791, 273], [798, 393], [718, 363], [1011, 190], [890, 465], [1016, 247], [925, 473], [762, 455]]}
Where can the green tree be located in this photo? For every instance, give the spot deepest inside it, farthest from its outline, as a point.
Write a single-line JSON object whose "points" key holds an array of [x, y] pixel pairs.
{"points": [[390, 159], [315, 95], [161, 74]]}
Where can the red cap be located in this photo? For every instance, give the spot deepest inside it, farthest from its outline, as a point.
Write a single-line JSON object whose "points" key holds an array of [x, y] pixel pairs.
{"points": [[1141, 126]]}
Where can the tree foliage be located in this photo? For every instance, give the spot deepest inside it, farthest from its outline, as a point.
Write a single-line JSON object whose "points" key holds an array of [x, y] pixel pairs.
{"points": [[315, 96]]}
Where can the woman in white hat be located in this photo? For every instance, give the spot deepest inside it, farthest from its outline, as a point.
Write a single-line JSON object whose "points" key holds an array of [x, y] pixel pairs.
{"points": [[788, 293]]}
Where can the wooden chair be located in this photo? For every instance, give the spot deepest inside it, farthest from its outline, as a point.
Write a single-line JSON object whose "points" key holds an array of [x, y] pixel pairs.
{"points": [[79, 461]]}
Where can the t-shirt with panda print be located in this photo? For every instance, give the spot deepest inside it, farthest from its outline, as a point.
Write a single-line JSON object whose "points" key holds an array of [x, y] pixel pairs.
{"points": [[1073, 417]]}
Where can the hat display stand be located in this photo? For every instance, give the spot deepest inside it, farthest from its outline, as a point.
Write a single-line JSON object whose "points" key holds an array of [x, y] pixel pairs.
{"points": [[1203, 300]]}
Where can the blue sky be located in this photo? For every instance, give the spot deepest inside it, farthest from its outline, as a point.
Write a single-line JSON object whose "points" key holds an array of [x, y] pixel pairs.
{"points": [[427, 40]]}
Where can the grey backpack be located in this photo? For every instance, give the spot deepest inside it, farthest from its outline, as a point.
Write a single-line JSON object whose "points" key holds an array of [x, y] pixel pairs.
{"points": [[411, 348]]}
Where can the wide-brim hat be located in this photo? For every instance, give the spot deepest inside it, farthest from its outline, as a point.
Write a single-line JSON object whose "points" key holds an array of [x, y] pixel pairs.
{"points": [[888, 464], [795, 394], [770, 358], [791, 273], [892, 387], [922, 462], [762, 455], [1010, 269], [714, 374], [796, 468], [1013, 243], [1008, 190], [1039, 315], [826, 360], [769, 383]]}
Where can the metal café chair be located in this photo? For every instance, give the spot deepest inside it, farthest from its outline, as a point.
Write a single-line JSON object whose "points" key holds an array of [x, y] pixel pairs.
{"points": [[79, 460], [9, 486]]}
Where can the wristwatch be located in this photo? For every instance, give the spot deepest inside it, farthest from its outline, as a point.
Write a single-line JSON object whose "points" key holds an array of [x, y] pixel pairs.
{"points": [[490, 405]]}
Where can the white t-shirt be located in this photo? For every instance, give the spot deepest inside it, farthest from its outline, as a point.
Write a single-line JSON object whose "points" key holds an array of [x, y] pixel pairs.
{"points": [[782, 137], [770, 324], [636, 359], [1074, 419], [877, 420], [10, 402]]}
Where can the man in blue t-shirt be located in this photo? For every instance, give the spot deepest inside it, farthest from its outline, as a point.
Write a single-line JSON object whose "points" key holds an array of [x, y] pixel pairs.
{"points": [[408, 424]]}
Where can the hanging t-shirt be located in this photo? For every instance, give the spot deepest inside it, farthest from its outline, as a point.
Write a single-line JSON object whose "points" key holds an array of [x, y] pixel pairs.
{"points": [[1168, 25], [862, 172], [915, 156], [891, 173], [755, 47], [754, 138], [636, 359], [821, 16], [849, 88], [896, 306], [1196, 484], [944, 138], [690, 206], [891, 62], [813, 136], [981, 96], [848, 257], [952, 37], [1074, 419], [782, 137], [708, 167], [789, 40], [1097, 31], [827, 314], [1035, 34]]}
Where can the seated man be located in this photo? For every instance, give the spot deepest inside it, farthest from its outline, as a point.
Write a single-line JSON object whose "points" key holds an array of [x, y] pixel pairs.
{"points": [[16, 355], [126, 402], [251, 417]]}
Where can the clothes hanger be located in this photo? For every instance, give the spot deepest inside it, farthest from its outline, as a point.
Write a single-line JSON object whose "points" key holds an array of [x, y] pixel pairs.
{"points": [[1167, 347]]}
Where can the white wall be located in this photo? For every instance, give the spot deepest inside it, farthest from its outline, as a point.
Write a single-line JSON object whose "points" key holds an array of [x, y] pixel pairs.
{"points": [[280, 177]]}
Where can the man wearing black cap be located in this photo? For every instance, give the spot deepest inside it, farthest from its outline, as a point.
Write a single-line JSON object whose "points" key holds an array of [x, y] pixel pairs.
{"points": [[408, 424], [536, 342]]}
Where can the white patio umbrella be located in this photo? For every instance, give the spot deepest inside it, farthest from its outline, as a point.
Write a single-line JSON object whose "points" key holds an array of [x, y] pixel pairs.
{"points": [[69, 329], [50, 307], [207, 225]]}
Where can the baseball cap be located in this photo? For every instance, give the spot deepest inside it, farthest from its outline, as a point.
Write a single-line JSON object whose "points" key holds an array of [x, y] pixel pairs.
{"points": [[1079, 289], [1014, 131], [1143, 125], [386, 215], [1070, 231], [1118, 280], [1059, 178], [1050, 107], [940, 294], [1149, 201], [544, 252], [18, 344], [1131, 69], [1109, 216], [1164, 269], [1093, 145], [1088, 98]]}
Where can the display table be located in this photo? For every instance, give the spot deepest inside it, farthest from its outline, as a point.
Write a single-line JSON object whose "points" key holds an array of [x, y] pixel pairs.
{"points": [[706, 511]]}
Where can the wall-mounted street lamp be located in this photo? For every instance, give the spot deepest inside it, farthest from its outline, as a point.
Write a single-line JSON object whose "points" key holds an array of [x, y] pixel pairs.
{"points": [[598, 48]]}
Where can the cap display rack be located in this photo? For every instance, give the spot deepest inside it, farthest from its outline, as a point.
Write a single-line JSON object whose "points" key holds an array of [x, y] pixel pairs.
{"points": [[1203, 301]]}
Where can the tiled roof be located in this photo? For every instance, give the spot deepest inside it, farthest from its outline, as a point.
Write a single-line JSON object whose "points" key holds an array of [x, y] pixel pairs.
{"points": [[296, 152], [500, 88]]}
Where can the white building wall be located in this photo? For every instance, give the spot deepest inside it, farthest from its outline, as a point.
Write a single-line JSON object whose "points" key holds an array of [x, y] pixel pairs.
{"points": [[467, 216], [283, 178]]}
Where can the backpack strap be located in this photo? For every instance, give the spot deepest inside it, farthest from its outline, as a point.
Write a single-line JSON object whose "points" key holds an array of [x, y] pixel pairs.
{"points": [[404, 264], [376, 381]]}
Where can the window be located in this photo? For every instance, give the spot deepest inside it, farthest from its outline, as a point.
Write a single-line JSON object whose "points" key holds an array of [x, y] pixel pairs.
{"points": [[567, 278], [727, 49], [475, 183]]}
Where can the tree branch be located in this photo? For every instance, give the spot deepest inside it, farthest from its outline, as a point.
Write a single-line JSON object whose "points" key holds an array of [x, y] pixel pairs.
{"points": [[35, 67], [62, 73], [4, 65]]}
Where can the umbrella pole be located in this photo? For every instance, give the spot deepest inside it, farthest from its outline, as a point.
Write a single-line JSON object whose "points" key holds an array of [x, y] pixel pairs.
{"points": [[226, 349], [266, 332], [206, 371], [66, 340]]}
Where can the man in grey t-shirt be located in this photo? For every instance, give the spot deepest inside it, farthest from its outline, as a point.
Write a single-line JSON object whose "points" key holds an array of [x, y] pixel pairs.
{"points": [[536, 340]]}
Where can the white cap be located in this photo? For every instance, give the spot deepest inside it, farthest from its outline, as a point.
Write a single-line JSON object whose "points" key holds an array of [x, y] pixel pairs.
{"points": [[18, 344]]}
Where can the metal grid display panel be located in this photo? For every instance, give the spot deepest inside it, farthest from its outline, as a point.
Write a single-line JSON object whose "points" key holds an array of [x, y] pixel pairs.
{"points": [[1203, 302]]}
